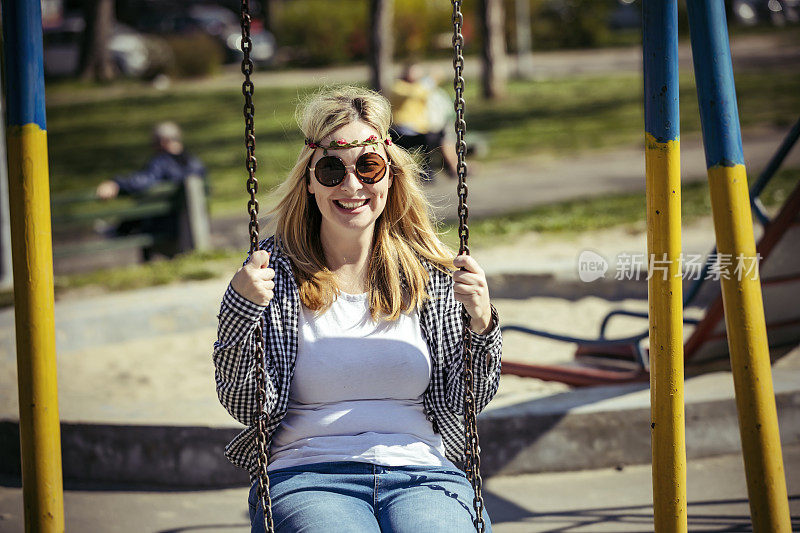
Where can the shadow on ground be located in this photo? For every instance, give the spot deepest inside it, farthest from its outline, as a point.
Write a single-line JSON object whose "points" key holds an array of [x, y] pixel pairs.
{"points": [[700, 514]]}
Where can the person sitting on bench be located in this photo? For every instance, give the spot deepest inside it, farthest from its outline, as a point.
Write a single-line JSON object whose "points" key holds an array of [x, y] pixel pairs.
{"points": [[170, 164]]}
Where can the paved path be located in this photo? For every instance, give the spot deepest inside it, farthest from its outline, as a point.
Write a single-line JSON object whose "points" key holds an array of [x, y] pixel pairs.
{"points": [[608, 500], [746, 51], [513, 185]]}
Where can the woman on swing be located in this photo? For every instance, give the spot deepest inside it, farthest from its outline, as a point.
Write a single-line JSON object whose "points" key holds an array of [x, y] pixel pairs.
{"points": [[362, 330]]}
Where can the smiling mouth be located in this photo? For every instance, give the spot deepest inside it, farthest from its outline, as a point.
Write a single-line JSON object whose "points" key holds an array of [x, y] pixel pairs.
{"points": [[351, 205]]}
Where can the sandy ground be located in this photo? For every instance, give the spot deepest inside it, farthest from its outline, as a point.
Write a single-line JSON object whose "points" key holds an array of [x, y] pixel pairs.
{"points": [[580, 316]]}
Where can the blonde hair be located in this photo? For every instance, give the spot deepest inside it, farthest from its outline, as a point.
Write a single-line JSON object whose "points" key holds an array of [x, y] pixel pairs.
{"points": [[403, 234]]}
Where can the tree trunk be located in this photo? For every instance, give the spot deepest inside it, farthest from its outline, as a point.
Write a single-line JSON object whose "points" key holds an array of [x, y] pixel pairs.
{"points": [[494, 48], [522, 14], [96, 60], [381, 43], [269, 8]]}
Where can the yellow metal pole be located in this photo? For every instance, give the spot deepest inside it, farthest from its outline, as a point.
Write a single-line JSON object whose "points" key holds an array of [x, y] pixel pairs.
{"points": [[662, 156], [741, 288], [29, 196]]}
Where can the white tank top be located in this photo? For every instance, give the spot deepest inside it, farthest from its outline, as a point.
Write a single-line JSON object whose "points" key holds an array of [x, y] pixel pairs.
{"points": [[356, 394]]}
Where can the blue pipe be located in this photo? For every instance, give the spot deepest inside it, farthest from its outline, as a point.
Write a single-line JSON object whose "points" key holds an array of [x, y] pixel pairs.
{"points": [[716, 91], [24, 71], [660, 58]]}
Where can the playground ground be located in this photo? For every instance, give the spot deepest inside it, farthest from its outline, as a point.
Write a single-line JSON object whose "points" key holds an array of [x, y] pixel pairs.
{"points": [[121, 366], [606, 500], [165, 380]]}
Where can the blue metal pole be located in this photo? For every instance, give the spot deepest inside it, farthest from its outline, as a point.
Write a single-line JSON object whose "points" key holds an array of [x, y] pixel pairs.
{"points": [[29, 198], [662, 156], [742, 299]]}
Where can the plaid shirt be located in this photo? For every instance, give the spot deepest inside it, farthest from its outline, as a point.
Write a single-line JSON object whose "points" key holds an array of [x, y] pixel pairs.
{"points": [[441, 324]]}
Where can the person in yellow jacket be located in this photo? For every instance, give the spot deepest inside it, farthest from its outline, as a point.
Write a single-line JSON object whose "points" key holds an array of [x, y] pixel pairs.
{"points": [[414, 125]]}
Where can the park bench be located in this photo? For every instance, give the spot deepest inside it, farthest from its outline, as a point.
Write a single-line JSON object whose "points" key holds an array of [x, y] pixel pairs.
{"points": [[84, 225]]}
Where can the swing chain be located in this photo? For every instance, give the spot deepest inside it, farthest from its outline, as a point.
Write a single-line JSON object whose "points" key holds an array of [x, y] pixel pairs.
{"points": [[249, 112], [472, 461], [460, 127], [251, 164], [261, 434]]}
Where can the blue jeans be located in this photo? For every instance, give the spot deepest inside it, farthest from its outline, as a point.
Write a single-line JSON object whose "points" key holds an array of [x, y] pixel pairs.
{"points": [[351, 497]]}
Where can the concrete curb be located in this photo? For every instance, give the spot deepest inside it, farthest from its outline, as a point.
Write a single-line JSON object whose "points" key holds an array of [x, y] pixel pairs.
{"points": [[164, 456], [581, 429], [516, 442]]}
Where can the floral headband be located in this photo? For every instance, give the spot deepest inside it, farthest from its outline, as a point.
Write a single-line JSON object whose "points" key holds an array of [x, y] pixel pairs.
{"points": [[340, 144]]}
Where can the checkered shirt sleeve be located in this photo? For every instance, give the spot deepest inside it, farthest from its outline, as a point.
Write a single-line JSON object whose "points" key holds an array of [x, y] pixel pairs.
{"points": [[486, 352], [235, 357]]}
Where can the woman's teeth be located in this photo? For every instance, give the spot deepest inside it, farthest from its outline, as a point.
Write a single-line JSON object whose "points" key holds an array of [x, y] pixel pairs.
{"points": [[350, 205]]}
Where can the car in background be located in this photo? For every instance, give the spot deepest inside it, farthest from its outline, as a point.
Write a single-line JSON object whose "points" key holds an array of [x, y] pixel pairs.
{"points": [[774, 12], [131, 52], [626, 15], [217, 21]]}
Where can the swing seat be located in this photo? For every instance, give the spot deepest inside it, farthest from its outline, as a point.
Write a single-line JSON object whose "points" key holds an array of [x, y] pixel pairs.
{"points": [[605, 361]]}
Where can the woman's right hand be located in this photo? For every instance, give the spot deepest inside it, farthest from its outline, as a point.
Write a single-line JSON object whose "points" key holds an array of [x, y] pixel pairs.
{"points": [[254, 280]]}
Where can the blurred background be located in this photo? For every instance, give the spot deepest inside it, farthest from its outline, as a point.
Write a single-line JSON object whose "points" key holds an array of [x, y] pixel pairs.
{"points": [[553, 79]]}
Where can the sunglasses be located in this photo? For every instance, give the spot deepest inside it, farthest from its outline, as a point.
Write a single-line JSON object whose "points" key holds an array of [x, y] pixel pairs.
{"points": [[370, 168]]}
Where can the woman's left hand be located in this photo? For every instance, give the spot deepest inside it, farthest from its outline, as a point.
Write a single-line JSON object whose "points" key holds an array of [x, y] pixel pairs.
{"points": [[470, 288]]}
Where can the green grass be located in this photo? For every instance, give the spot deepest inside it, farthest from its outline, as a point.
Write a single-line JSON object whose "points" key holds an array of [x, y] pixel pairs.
{"points": [[588, 113], [90, 142], [188, 267], [603, 212]]}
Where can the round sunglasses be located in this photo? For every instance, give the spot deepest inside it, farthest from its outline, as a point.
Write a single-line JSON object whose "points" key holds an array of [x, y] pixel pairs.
{"points": [[370, 168]]}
